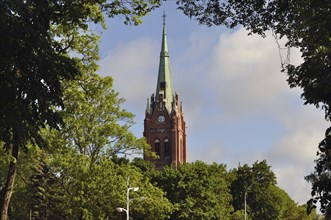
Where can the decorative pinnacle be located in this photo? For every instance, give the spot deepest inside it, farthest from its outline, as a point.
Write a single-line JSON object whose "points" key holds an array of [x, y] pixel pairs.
{"points": [[164, 18]]}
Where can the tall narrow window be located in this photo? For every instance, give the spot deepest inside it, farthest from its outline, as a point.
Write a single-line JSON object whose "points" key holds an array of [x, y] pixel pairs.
{"points": [[166, 149], [157, 147], [180, 148]]}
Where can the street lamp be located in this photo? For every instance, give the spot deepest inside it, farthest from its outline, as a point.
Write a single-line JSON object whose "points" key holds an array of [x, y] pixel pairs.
{"points": [[247, 191], [128, 199], [246, 195]]}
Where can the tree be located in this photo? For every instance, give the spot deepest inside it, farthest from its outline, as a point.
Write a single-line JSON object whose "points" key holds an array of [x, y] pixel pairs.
{"points": [[96, 129], [147, 167], [86, 190], [155, 206], [4, 162], [302, 214], [265, 200], [29, 168], [39, 187], [95, 122], [43, 43], [320, 178], [255, 182], [197, 190], [289, 210], [79, 179]]}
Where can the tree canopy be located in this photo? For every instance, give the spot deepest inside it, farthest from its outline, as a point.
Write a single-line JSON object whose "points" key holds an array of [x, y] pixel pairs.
{"points": [[320, 178], [44, 43], [255, 182], [208, 191], [74, 175], [197, 190], [95, 123], [265, 200]]}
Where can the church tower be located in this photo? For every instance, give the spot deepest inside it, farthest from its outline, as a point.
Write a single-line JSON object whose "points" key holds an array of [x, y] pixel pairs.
{"points": [[164, 125]]}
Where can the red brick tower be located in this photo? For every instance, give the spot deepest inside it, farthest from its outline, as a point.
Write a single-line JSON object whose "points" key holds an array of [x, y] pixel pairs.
{"points": [[164, 125]]}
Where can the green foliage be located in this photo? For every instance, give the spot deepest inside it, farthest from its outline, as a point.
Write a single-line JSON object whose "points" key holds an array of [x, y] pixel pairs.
{"points": [[197, 190], [302, 214], [33, 63], [320, 178], [22, 199], [88, 184], [146, 167], [39, 187], [42, 44], [37, 52], [4, 161], [312, 34], [94, 190], [77, 188], [83, 189], [131, 10], [264, 199], [289, 210], [95, 122], [239, 215], [85, 182], [255, 181]]}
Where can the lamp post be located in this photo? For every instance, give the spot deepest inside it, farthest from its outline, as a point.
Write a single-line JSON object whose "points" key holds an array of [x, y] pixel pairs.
{"points": [[246, 195], [128, 199], [248, 189]]}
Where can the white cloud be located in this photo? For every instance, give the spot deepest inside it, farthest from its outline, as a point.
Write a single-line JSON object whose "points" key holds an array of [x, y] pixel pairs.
{"points": [[245, 74], [291, 179], [304, 129], [133, 66], [190, 77], [292, 157]]}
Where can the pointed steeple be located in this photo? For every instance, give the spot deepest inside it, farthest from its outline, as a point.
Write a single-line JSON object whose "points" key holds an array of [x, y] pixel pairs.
{"points": [[164, 82], [164, 124]]}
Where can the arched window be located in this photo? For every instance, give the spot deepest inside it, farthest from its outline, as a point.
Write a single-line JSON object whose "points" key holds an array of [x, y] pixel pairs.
{"points": [[157, 147], [166, 149]]}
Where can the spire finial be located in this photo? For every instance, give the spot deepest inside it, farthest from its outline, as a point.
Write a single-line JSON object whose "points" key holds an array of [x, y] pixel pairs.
{"points": [[164, 83], [164, 18]]}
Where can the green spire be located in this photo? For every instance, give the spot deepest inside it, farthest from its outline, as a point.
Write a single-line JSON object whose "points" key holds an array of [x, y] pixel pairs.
{"points": [[164, 82]]}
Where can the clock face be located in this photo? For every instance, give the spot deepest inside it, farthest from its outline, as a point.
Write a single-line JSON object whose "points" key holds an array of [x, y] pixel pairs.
{"points": [[161, 118]]}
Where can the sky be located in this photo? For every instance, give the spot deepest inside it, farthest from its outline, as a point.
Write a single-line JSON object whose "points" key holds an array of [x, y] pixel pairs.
{"points": [[237, 104]]}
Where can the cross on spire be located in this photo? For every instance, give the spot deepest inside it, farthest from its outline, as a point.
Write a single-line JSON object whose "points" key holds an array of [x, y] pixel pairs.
{"points": [[164, 18]]}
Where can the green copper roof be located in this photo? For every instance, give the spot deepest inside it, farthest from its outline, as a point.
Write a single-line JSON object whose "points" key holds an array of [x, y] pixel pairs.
{"points": [[164, 82]]}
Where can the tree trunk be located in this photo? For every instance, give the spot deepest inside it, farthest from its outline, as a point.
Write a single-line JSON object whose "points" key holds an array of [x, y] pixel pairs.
{"points": [[8, 189]]}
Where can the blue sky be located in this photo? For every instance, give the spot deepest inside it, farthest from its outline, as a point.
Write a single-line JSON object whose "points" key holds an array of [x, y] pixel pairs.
{"points": [[238, 106]]}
